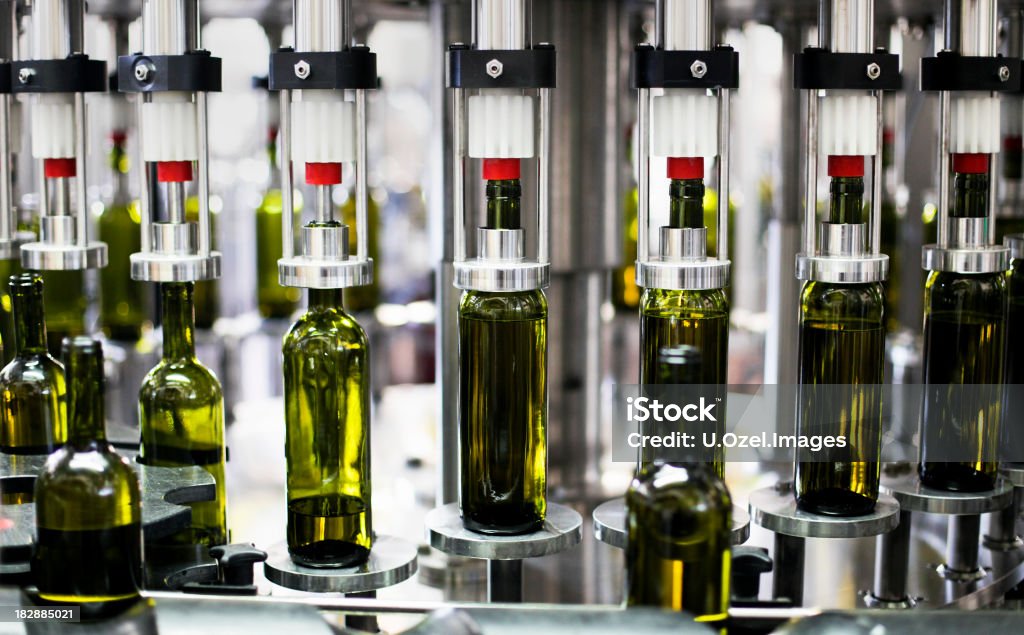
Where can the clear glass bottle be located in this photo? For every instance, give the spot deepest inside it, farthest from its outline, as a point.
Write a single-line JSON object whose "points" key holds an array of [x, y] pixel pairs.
{"points": [[842, 354], [327, 441], [274, 301], [122, 300], [181, 413], [503, 399], [88, 514]]}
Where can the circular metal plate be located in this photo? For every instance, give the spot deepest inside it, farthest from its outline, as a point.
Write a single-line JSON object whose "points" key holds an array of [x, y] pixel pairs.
{"points": [[915, 497], [150, 267], [843, 269], [44, 257], [610, 523], [308, 273], [479, 275], [1014, 473], [691, 276], [981, 260], [562, 530], [392, 560], [776, 511], [1015, 243], [11, 248]]}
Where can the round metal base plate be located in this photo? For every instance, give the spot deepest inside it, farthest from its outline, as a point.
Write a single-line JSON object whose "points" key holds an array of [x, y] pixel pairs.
{"points": [[481, 275], [980, 260], [691, 276], [776, 511], [1015, 243], [44, 257], [308, 273], [392, 560], [11, 248], [610, 523], [1014, 473], [843, 269], [151, 267], [914, 497], [562, 530], [873, 602]]}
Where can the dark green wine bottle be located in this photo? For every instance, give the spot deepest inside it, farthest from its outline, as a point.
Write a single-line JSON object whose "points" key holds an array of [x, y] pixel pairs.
{"points": [[964, 343], [88, 517], [366, 297], [206, 294], [327, 438], [274, 301], [181, 413], [66, 305], [8, 347], [503, 399], [122, 300], [842, 353]]}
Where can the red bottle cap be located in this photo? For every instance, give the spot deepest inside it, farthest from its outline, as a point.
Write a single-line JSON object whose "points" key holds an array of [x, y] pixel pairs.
{"points": [[685, 167], [845, 165], [174, 171], [323, 173], [118, 137], [970, 163], [1013, 143], [59, 168], [501, 169]]}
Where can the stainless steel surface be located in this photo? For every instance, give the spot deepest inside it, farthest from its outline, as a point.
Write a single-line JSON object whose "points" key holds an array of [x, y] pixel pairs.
{"points": [[308, 273], [678, 243], [45, 257], [854, 269], [544, 178], [322, 25], [643, 145], [174, 239], [500, 245], [8, 48], [145, 201], [562, 530], [945, 125], [1013, 473], [156, 267], [707, 274], [501, 25], [170, 27], [57, 231], [914, 497], [512, 276], [978, 24], [203, 175], [852, 26], [560, 620], [724, 165], [976, 260], [56, 28], [685, 25], [362, 177], [877, 176], [962, 549], [459, 173], [610, 523], [284, 149], [776, 511], [176, 202], [841, 239], [969, 233], [326, 243], [892, 563], [811, 173], [504, 580], [1002, 528], [392, 560]]}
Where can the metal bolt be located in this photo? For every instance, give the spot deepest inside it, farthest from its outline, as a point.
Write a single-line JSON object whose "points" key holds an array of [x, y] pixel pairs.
{"points": [[25, 75], [1004, 73], [698, 69], [874, 71], [142, 72], [302, 69], [495, 68]]}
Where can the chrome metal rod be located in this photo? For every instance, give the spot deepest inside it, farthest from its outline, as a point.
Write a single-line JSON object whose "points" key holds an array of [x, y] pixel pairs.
{"points": [[942, 233], [362, 191], [643, 153], [1002, 529], [204, 174], [61, 197], [142, 169], [322, 25], [323, 204], [993, 197], [544, 179], [722, 233], [851, 26], [170, 27], [962, 543], [81, 182], [505, 580], [6, 200], [684, 25], [176, 202], [459, 172], [811, 174], [979, 22], [284, 154], [500, 25], [42, 183], [788, 576], [877, 176], [892, 558]]}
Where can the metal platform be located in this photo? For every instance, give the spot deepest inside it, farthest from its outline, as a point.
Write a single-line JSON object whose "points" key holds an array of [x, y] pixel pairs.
{"points": [[775, 509], [562, 530], [915, 497], [392, 560], [610, 523]]}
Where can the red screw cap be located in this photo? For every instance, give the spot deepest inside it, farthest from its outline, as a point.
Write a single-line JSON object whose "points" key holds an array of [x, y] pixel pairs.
{"points": [[174, 171], [845, 165], [970, 163], [323, 173], [501, 169], [59, 168], [685, 167]]}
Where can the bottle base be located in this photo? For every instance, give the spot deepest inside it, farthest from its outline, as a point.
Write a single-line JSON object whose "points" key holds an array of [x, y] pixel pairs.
{"points": [[835, 502], [955, 477], [329, 554], [503, 529]]}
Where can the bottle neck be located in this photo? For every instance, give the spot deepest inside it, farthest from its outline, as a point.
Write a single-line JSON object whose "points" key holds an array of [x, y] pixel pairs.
{"points": [[970, 195], [847, 204], [503, 204], [275, 174], [85, 396], [326, 299], [686, 203], [119, 164], [179, 322], [29, 320]]}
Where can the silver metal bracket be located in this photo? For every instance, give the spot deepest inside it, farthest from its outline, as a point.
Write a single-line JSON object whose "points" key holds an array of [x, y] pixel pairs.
{"points": [[976, 260], [696, 275], [154, 267], [40, 256], [843, 269], [315, 273], [485, 275]]}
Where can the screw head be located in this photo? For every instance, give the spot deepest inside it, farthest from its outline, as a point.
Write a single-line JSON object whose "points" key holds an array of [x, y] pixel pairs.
{"points": [[25, 75], [698, 69], [1004, 73], [874, 71], [302, 69], [141, 72], [495, 68]]}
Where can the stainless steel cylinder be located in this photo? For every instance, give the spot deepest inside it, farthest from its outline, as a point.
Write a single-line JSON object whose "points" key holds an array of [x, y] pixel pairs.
{"points": [[892, 558], [684, 243], [685, 25], [962, 545], [978, 24], [174, 239], [852, 26], [322, 25], [57, 230], [501, 25], [170, 27], [57, 28], [968, 232], [504, 245], [325, 243], [8, 30], [841, 239]]}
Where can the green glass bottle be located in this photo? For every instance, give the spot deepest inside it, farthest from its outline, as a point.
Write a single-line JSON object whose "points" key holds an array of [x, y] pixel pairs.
{"points": [[503, 399], [181, 412], [66, 305], [625, 292], [122, 300], [366, 297], [891, 238], [88, 516], [274, 301], [1010, 217], [842, 353], [207, 292], [964, 343], [1013, 436], [8, 348], [327, 439]]}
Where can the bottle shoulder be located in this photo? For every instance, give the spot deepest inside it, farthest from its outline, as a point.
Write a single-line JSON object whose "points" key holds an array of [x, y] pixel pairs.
{"points": [[333, 325], [95, 466], [36, 369], [188, 378], [689, 486], [519, 305], [673, 302], [834, 302], [968, 294]]}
